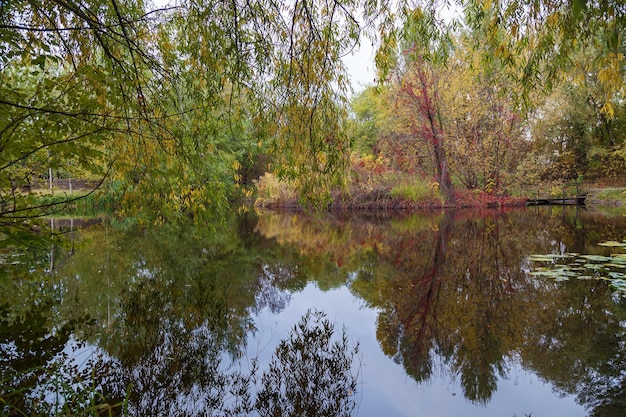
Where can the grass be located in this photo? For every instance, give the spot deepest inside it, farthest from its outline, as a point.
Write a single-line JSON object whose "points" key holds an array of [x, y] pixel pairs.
{"points": [[79, 203], [416, 191], [616, 195]]}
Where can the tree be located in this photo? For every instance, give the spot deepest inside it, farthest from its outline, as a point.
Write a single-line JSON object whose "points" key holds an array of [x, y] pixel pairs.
{"points": [[419, 104], [543, 37], [507, 58], [485, 136], [155, 97], [73, 80], [146, 94], [573, 132], [368, 114]]}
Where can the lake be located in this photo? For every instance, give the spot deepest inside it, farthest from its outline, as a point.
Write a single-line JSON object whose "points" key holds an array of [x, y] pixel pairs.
{"points": [[467, 313]]}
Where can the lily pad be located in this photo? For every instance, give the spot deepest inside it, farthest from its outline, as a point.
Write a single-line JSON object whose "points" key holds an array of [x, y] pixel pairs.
{"points": [[619, 257], [601, 278], [594, 267], [619, 284], [559, 274], [584, 267], [547, 258], [596, 258], [612, 243]]}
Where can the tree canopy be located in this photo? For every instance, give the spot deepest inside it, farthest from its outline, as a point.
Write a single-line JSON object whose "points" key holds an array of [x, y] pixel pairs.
{"points": [[170, 107], [171, 101]]}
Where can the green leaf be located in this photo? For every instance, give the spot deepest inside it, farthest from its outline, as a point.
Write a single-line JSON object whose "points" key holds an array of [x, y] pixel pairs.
{"points": [[578, 7], [560, 274], [612, 243], [596, 258], [594, 267], [547, 258], [619, 285]]}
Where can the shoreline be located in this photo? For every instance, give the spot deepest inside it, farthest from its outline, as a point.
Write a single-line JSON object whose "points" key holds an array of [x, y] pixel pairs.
{"points": [[381, 201]]}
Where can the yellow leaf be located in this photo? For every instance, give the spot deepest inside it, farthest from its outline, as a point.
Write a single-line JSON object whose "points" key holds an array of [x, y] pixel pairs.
{"points": [[608, 109]]}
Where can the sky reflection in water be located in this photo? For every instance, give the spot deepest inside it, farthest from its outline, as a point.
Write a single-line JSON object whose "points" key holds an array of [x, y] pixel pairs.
{"points": [[385, 389]]}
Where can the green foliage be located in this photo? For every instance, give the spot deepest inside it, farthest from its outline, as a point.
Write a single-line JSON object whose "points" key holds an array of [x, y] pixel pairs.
{"points": [[176, 104], [65, 93], [426, 35], [185, 105], [535, 44], [485, 135], [367, 116], [573, 132], [496, 66], [412, 32], [610, 197]]}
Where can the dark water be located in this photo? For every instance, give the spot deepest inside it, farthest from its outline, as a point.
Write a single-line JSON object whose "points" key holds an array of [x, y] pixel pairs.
{"points": [[438, 315]]}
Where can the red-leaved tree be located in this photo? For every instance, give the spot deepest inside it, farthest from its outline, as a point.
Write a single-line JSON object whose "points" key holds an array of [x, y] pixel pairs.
{"points": [[418, 105]]}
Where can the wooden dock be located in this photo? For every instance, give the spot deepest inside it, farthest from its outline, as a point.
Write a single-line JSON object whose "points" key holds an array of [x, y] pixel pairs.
{"points": [[567, 201], [570, 195]]}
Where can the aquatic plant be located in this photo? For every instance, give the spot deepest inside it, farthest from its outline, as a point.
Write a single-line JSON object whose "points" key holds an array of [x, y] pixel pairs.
{"points": [[566, 266]]}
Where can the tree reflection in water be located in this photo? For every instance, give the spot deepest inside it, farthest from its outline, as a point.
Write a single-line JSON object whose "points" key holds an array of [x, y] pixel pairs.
{"points": [[310, 375], [177, 371], [171, 316], [185, 372], [167, 313], [454, 293]]}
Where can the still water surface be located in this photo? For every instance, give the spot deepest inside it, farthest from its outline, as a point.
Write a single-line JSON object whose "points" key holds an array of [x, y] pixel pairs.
{"points": [[437, 315]]}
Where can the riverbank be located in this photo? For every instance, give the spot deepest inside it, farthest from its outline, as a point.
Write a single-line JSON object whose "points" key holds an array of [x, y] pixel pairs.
{"points": [[376, 200], [607, 197], [384, 200]]}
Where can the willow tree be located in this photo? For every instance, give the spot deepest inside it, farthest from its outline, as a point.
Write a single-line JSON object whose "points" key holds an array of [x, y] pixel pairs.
{"points": [[74, 80], [544, 36], [169, 101]]}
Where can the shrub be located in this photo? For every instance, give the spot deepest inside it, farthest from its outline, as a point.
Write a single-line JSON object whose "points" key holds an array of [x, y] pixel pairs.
{"points": [[271, 189]]}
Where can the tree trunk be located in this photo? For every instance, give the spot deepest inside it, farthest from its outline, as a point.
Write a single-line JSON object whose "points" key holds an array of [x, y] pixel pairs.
{"points": [[441, 164]]}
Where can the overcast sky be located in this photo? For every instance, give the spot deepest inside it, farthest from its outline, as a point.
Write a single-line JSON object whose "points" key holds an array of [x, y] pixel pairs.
{"points": [[361, 67]]}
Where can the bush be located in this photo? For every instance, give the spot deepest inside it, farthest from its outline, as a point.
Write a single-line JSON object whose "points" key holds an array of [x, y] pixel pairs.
{"points": [[272, 190]]}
